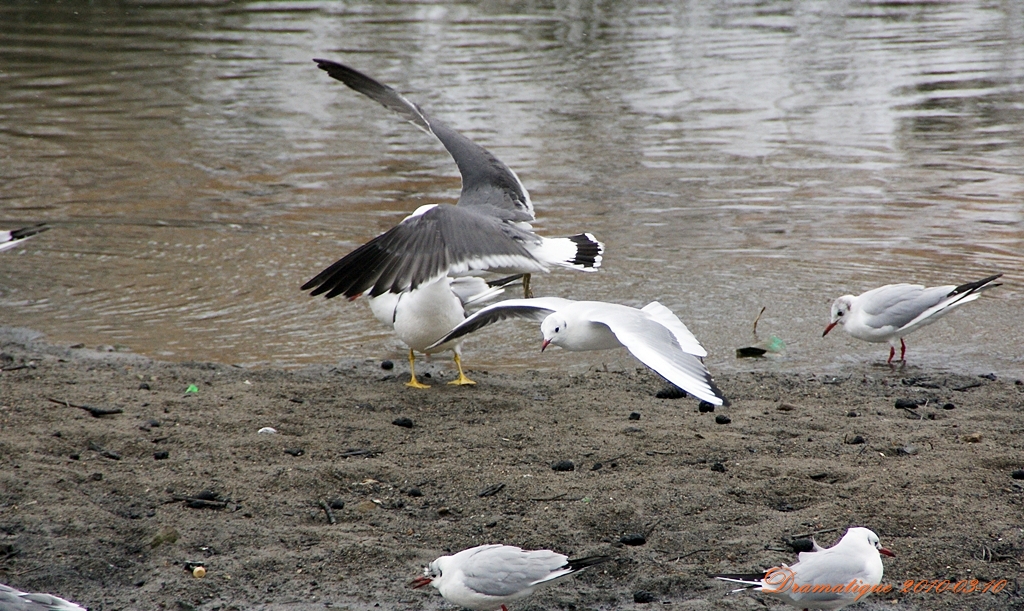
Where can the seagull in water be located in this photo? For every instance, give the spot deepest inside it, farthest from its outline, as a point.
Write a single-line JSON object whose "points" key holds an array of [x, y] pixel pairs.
{"points": [[487, 577], [419, 316], [486, 230], [889, 312], [10, 239], [830, 578], [16, 600], [654, 335]]}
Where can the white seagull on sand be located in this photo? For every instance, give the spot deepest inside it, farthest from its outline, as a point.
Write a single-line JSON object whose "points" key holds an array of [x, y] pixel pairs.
{"points": [[422, 315], [15, 237], [889, 312], [16, 600], [654, 335], [488, 577], [486, 230], [830, 578]]}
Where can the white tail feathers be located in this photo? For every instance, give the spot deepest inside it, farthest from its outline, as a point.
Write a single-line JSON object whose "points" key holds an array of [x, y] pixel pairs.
{"points": [[581, 251]]}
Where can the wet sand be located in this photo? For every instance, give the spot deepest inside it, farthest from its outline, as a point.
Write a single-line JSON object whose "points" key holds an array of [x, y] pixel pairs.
{"points": [[88, 512]]}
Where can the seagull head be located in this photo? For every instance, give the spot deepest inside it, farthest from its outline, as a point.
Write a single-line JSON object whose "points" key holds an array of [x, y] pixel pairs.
{"points": [[430, 572], [553, 328], [840, 309], [860, 534]]}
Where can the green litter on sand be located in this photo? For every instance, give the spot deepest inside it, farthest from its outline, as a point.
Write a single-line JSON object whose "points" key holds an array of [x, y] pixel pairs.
{"points": [[192, 388]]}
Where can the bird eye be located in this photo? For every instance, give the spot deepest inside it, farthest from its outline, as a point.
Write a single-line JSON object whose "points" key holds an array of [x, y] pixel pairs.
{"points": [[556, 329], [840, 313]]}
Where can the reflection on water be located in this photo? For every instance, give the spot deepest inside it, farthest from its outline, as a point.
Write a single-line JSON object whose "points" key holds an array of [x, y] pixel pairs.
{"points": [[198, 168]]}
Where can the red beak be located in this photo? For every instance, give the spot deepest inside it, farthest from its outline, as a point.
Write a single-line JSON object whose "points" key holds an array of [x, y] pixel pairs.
{"points": [[421, 581], [828, 328], [886, 552], [545, 345]]}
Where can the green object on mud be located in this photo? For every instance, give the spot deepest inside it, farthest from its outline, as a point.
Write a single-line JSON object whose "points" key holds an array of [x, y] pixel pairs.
{"points": [[192, 388]]}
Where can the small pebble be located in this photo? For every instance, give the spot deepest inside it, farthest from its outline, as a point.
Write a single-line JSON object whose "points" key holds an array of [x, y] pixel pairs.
{"points": [[705, 408], [718, 467], [387, 365], [721, 419], [1017, 474], [96, 477], [597, 466], [414, 491], [907, 451], [161, 455], [74, 457], [633, 539], [266, 431], [988, 376], [144, 386], [972, 438], [336, 504], [949, 406], [405, 423], [852, 414], [909, 403], [634, 416], [671, 392], [642, 597], [294, 451], [563, 465], [855, 440]]}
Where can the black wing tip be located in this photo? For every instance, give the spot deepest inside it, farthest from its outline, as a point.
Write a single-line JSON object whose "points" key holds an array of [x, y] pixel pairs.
{"points": [[27, 232], [973, 287], [589, 251], [578, 564]]}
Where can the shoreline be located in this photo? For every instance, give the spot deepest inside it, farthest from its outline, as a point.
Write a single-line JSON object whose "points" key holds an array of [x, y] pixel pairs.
{"points": [[934, 482]]}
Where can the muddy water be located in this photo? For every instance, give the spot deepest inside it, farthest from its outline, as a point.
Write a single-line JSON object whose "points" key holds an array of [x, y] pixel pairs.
{"points": [[197, 168]]}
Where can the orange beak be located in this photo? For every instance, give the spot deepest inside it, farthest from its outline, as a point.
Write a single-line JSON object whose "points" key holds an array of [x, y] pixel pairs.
{"points": [[421, 581], [830, 326], [886, 552], [545, 345]]}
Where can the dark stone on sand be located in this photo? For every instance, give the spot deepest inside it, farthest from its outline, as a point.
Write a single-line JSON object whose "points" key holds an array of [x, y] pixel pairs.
{"points": [[563, 465], [405, 423], [802, 545], [143, 386], [671, 392], [705, 408], [855, 440], [1017, 474], [336, 504], [74, 456], [597, 466], [96, 477], [633, 539], [634, 416], [414, 491], [988, 376], [909, 403], [207, 495], [163, 455], [852, 414], [642, 597], [718, 467], [387, 365], [427, 375], [294, 451], [720, 419], [490, 490], [949, 406]]}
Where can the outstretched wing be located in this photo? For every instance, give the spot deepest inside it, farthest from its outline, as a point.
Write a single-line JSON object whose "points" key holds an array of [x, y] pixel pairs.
{"points": [[488, 185], [536, 309], [656, 346]]}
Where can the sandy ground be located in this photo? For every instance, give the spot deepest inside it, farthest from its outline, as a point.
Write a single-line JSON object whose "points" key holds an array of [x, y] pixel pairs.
{"points": [[88, 511]]}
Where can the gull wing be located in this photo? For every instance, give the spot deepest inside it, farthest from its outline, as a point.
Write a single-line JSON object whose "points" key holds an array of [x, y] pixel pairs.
{"points": [[687, 341], [656, 346], [488, 185], [507, 570], [536, 309]]}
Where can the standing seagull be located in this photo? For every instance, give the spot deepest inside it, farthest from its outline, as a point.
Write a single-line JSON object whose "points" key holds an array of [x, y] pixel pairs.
{"points": [[654, 335], [486, 577], [421, 315], [10, 239], [15, 600], [889, 312], [830, 578], [488, 229]]}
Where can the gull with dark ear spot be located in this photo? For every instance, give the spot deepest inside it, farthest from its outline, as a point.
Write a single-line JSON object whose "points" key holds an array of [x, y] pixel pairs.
{"points": [[653, 334], [889, 312], [486, 230]]}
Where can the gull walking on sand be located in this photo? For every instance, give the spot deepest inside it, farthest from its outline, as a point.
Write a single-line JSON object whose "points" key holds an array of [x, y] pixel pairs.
{"points": [[487, 577], [889, 312], [486, 230], [653, 334], [830, 578]]}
